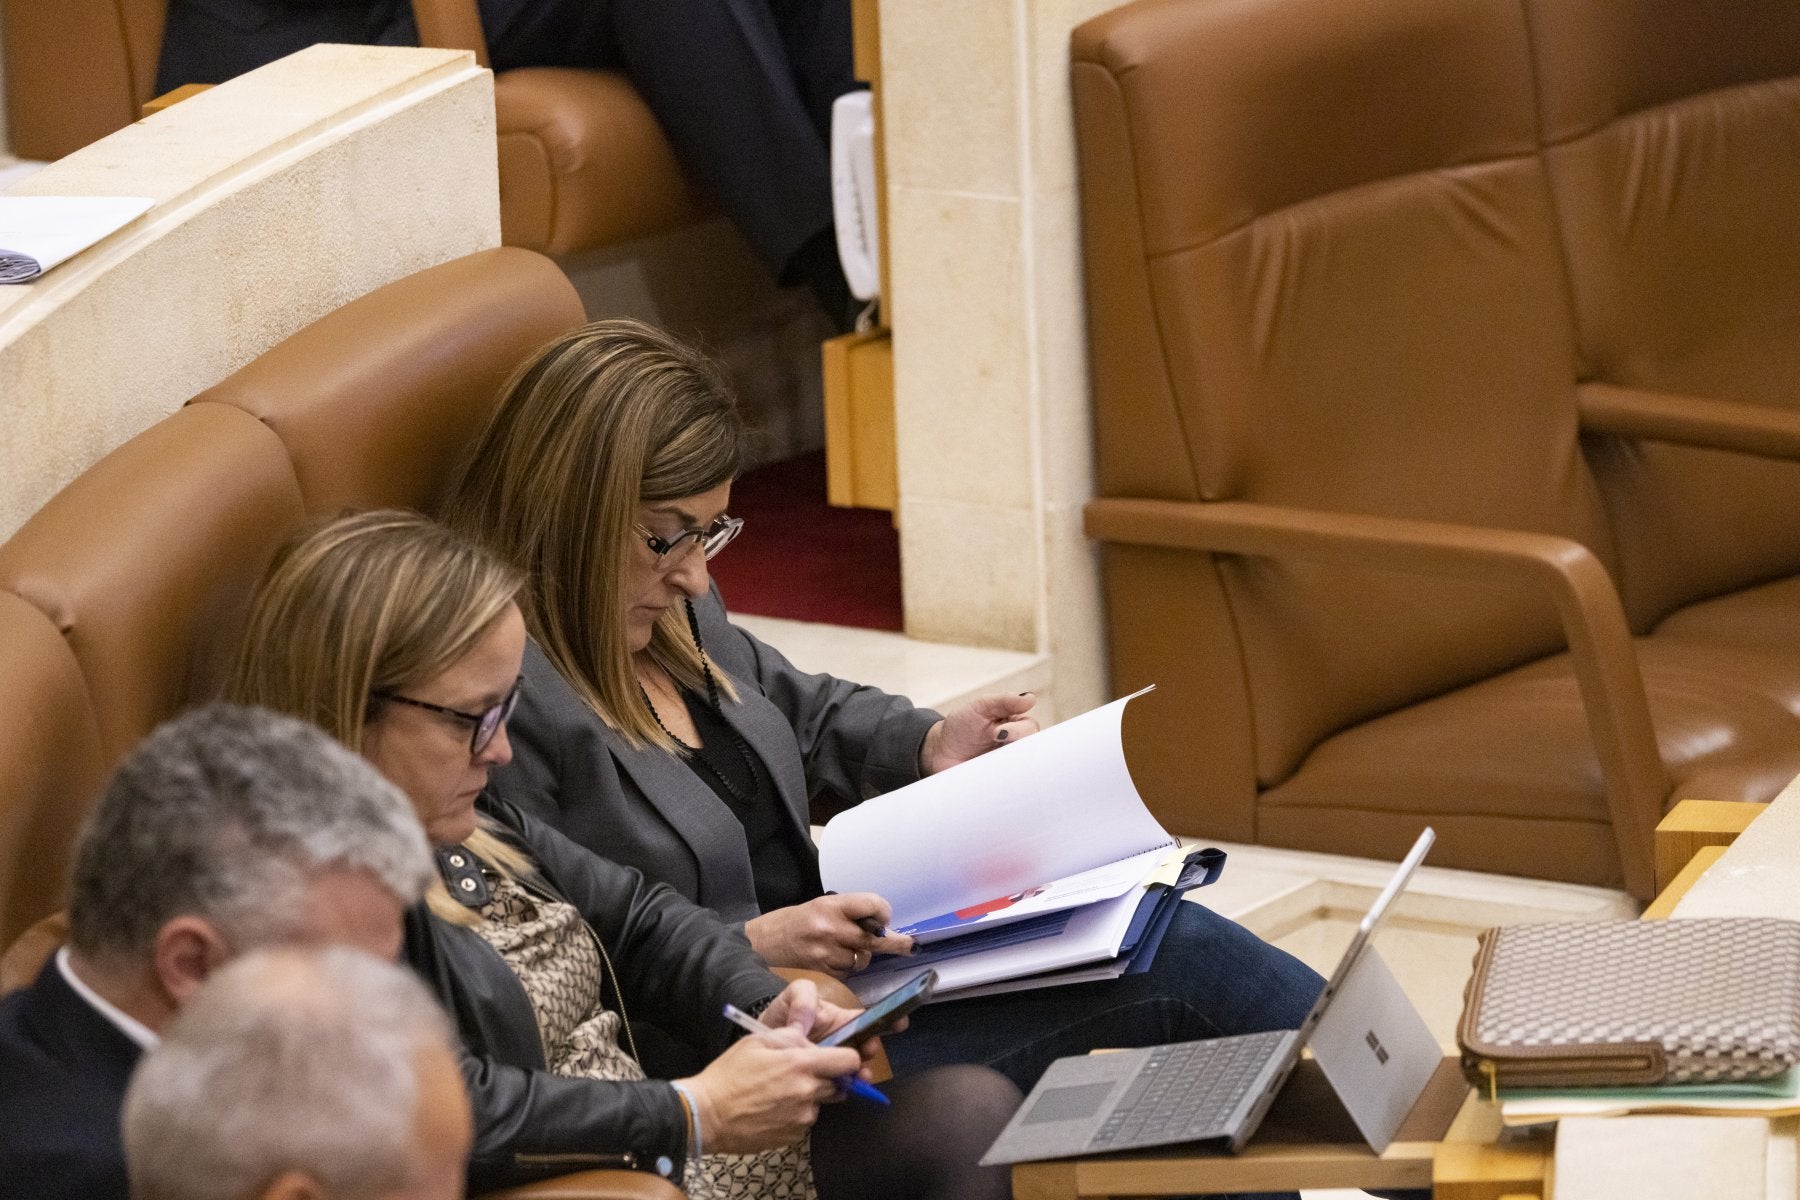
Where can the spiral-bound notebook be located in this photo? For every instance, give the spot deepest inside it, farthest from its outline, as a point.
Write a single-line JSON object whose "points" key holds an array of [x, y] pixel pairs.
{"points": [[38, 232]]}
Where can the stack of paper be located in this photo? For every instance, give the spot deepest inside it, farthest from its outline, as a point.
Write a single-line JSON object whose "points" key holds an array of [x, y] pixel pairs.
{"points": [[1778, 1097], [37, 232], [1013, 867]]}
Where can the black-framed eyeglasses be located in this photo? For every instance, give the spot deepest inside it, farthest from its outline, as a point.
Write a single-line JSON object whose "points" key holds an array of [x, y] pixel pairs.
{"points": [[486, 724], [711, 540]]}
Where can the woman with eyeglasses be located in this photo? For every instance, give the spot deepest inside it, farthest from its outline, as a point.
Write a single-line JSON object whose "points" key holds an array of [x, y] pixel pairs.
{"points": [[403, 640], [655, 730]]}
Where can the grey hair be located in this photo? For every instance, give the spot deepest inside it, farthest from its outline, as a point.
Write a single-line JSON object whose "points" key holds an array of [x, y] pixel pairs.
{"points": [[286, 1060], [226, 813]]}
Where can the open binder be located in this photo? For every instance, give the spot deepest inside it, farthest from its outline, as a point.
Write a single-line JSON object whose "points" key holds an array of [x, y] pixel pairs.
{"points": [[1033, 864]]}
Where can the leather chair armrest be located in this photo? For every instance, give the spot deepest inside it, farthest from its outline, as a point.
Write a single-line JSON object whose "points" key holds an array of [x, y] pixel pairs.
{"points": [[1689, 420], [1593, 620], [593, 1185], [451, 25]]}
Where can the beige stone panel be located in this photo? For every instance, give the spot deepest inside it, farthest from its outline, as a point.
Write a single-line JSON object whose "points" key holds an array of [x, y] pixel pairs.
{"points": [[962, 382], [950, 95], [1065, 392], [1052, 126], [1074, 617], [971, 573], [238, 255]]}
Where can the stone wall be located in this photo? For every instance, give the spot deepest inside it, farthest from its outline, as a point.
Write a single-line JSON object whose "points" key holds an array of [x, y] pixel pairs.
{"points": [[990, 345]]}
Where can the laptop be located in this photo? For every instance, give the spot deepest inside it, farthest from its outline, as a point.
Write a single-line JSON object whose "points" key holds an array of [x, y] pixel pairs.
{"points": [[1369, 1041]]}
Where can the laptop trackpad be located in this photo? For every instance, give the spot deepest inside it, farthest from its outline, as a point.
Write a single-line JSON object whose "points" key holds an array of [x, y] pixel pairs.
{"points": [[1069, 1103]]}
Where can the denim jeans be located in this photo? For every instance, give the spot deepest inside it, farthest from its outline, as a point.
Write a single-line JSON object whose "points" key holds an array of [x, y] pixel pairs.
{"points": [[1211, 978]]}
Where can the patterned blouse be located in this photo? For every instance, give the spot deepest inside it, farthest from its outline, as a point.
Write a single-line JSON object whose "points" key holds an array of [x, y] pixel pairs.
{"points": [[557, 958]]}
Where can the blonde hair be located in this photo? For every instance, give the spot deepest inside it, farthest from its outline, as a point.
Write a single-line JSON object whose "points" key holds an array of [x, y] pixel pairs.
{"points": [[605, 418], [373, 602]]}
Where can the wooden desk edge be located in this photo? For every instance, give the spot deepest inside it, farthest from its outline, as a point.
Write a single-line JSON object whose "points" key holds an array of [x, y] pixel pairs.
{"points": [[1694, 825]]}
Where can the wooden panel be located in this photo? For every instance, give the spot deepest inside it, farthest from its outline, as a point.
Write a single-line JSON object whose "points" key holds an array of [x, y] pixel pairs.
{"points": [[859, 421], [1694, 824]]}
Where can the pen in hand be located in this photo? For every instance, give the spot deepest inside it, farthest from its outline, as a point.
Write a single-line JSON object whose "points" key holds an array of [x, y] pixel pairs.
{"points": [[869, 925], [850, 1083]]}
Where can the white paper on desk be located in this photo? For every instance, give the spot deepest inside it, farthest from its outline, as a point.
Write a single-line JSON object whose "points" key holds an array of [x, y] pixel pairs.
{"points": [[37, 232], [1093, 933], [1051, 805]]}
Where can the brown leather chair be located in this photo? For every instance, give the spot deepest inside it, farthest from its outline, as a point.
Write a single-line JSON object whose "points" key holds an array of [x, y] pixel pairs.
{"points": [[583, 164], [1347, 523], [376, 402], [122, 596], [50, 748], [1668, 132]]}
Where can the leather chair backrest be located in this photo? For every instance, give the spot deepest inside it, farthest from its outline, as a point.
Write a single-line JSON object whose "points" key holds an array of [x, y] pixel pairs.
{"points": [[1323, 272], [378, 401], [121, 600], [145, 562], [1672, 140], [76, 70], [50, 750]]}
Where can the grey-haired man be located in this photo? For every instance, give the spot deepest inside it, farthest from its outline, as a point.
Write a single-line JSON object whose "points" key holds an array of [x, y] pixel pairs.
{"points": [[225, 830], [301, 1074]]}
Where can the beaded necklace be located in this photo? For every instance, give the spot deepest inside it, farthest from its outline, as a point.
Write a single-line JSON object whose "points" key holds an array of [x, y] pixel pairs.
{"points": [[697, 754]]}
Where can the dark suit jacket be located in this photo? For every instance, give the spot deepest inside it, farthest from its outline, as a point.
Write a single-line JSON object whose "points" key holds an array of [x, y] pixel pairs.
{"points": [[210, 41], [63, 1072], [647, 809]]}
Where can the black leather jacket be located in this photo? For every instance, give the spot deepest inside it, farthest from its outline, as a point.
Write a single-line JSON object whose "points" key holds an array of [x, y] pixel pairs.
{"points": [[676, 965]]}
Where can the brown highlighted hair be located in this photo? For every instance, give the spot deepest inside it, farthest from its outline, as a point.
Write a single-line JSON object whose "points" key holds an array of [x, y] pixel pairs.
{"points": [[606, 418], [372, 602]]}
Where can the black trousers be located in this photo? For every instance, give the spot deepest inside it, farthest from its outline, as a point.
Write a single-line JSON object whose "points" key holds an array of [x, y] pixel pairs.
{"points": [[742, 88]]}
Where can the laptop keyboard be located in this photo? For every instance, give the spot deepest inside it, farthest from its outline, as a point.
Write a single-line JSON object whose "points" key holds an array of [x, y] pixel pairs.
{"points": [[1187, 1090]]}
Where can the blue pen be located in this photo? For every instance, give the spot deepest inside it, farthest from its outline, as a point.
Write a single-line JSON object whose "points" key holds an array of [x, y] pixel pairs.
{"points": [[850, 1083]]}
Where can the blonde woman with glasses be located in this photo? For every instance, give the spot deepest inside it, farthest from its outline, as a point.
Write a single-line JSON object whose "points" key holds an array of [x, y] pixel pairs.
{"points": [[654, 730], [404, 640]]}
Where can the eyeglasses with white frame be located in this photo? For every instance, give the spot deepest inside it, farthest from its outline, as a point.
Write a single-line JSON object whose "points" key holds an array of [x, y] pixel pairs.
{"points": [[711, 540]]}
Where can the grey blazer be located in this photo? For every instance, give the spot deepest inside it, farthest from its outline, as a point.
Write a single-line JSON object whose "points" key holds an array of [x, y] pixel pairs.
{"points": [[647, 809]]}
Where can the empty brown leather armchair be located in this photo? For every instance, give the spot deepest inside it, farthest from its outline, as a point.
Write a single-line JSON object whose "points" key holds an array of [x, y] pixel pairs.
{"points": [[1670, 145], [1347, 524]]}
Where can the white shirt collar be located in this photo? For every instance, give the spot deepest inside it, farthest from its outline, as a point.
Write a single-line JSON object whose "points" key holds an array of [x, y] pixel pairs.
{"points": [[127, 1024]]}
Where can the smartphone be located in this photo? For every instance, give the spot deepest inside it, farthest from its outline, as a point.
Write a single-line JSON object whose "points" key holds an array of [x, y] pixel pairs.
{"points": [[882, 1015]]}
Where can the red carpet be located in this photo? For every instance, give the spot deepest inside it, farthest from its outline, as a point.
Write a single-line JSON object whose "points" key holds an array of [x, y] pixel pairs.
{"points": [[800, 558]]}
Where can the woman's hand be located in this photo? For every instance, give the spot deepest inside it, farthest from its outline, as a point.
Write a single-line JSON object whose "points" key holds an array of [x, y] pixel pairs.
{"points": [[984, 723], [765, 1091], [824, 934], [800, 1008]]}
